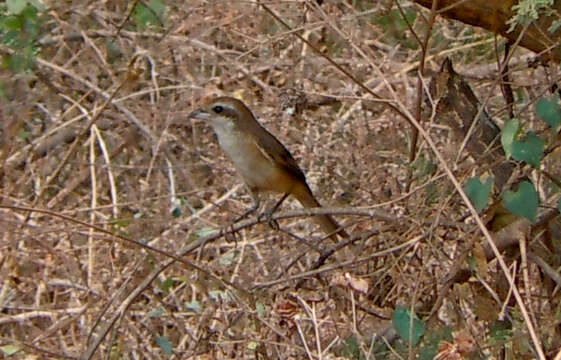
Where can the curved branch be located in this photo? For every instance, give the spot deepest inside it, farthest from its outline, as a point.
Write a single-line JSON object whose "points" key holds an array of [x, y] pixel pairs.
{"points": [[493, 15]]}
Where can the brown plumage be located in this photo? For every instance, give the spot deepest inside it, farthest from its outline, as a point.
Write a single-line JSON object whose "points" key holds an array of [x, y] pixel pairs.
{"points": [[262, 160]]}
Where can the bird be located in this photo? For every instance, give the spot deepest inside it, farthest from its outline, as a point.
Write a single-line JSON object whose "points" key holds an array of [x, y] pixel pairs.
{"points": [[259, 157]]}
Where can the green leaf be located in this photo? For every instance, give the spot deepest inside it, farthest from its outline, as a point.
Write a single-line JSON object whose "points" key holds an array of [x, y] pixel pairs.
{"points": [[158, 7], [16, 63], [119, 224], [559, 205], [423, 166], [10, 349], [204, 231], [156, 312], [37, 4], [509, 133], [549, 111], [530, 149], [523, 202], [478, 193], [166, 284], [175, 211], [16, 6], [164, 344], [193, 305], [260, 309], [10, 38], [11, 23], [500, 330], [252, 345], [554, 26], [31, 22], [227, 258], [219, 295], [23, 134], [430, 343], [152, 14], [401, 320], [176, 207], [351, 348], [113, 51]]}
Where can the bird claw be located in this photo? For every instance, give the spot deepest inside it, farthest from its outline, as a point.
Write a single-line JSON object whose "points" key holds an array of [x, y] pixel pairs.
{"points": [[230, 235], [228, 231], [267, 217], [274, 224]]}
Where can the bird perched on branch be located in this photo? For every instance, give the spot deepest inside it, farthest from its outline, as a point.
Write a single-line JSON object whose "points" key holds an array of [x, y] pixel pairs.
{"points": [[262, 160]]}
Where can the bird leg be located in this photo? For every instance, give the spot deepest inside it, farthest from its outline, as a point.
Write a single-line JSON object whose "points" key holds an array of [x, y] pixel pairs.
{"points": [[251, 210], [267, 215]]}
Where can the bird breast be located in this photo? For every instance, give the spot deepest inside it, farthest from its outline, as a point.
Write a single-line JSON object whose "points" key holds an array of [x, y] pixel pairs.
{"points": [[254, 165]]}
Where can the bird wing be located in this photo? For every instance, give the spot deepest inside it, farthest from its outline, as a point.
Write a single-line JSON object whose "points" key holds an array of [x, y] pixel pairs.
{"points": [[275, 151]]}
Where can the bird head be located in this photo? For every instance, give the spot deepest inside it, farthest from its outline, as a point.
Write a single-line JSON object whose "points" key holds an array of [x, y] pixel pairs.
{"points": [[223, 112]]}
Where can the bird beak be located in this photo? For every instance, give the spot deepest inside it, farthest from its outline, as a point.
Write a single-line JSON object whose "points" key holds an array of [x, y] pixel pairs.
{"points": [[199, 114]]}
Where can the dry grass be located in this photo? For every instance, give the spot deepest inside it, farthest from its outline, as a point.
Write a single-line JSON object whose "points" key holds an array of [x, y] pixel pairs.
{"points": [[108, 149]]}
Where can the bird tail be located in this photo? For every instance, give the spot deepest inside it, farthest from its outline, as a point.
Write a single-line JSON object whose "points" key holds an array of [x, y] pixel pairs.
{"points": [[327, 223]]}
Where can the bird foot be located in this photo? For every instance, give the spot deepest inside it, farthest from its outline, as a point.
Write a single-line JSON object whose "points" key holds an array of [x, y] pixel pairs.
{"points": [[267, 217], [230, 234]]}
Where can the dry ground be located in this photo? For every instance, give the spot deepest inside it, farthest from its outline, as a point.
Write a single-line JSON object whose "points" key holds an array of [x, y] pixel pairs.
{"points": [[78, 278]]}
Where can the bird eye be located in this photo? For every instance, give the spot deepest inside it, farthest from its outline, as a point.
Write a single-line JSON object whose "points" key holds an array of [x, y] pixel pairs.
{"points": [[218, 109]]}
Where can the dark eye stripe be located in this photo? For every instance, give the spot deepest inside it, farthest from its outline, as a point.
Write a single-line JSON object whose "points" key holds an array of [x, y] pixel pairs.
{"points": [[224, 110]]}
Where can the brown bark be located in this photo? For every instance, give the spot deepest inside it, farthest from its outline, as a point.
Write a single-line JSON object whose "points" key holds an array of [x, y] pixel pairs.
{"points": [[493, 15]]}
